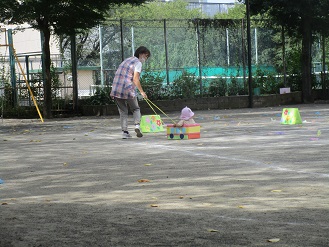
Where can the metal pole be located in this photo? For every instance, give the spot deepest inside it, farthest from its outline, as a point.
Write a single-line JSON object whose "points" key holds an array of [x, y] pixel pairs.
{"points": [[27, 73], [132, 41], [227, 48], [199, 55], [166, 50], [121, 31], [101, 54], [2, 82], [249, 55], [28, 85], [243, 54], [256, 46], [323, 54], [12, 67]]}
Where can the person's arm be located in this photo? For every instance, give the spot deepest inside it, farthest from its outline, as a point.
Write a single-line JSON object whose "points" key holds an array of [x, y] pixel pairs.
{"points": [[138, 84], [179, 124]]}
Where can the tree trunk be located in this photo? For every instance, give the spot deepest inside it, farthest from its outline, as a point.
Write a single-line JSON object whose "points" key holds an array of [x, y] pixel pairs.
{"points": [[47, 80], [307, 62]]}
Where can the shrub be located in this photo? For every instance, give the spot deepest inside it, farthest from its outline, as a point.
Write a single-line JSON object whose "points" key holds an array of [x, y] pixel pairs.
{"points": [[236, 86], [185, 86], [217, 88], [101, 97], [259, 80], [152, 84], [271, 86]]}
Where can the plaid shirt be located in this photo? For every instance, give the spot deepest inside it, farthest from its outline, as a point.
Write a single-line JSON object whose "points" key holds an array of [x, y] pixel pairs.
{"points": [[123, 86]]}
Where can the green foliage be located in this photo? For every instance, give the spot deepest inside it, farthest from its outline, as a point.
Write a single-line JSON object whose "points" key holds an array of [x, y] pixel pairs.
{"points": [[266, 82], [292, 14], [213, 23], [236, 12], [156, 10], [100, 97], [301, 19], [316, 82], [59, 17], [56, 84], [259, 79], [186, 86], [20, 112], [152, 84], [294, 70], [217, 87], [235, 87], [7, 107], [6, 101], [148, 22], [271, 86], [65, 17], [265, 44]]}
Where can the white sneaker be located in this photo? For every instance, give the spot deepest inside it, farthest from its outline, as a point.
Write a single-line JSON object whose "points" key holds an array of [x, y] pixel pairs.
{"points": [[126, 135], [138, 131]]}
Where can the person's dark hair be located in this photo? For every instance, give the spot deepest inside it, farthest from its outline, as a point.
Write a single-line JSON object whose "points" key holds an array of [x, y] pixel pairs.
{"points": [[142, 50]]}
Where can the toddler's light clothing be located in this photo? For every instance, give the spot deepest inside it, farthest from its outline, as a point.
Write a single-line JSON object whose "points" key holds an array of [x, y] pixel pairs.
{"points": [[183, 122]]}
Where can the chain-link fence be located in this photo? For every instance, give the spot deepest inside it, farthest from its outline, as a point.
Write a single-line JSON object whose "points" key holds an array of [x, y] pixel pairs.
{"points": [[209, 52], [189, 58], [212, 53]]}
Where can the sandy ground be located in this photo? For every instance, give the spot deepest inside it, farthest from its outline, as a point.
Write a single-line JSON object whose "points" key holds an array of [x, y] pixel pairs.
{"points": [[248, 181]]}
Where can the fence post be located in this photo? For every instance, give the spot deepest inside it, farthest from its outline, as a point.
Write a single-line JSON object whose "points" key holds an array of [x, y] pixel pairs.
{"points": [[12, 67], [249, 55], [199, 55], [28, 73], [121, 31], [166, 49], [101, 54], [243, 54]]}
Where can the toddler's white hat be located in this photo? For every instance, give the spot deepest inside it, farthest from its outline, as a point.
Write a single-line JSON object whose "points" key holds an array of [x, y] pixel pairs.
{"points": [[186, 114]]}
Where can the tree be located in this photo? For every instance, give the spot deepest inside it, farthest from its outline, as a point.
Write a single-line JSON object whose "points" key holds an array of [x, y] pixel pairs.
{"points": [[158, 10], [56, 17], [180, 39], [147, 21], [300, 18], [236, 12]]}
